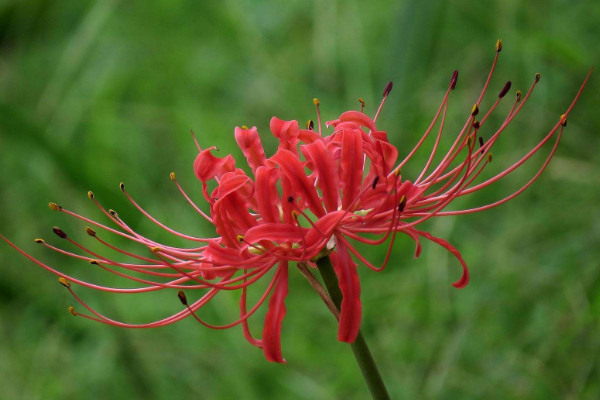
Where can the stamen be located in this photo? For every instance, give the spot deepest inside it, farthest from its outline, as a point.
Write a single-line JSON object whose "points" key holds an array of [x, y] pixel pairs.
{"points": [[454, 79], [386, 92], [316, 103], [519, 95], [475, 110], [64, 281], [72, 311], [402, 203], [40, 241], [90, 231], [388, 89], [563, 120], [54, 207], [59, 232], [499, 45], [90, 195], [182, 297], [310, 125], [505, 89], [362, 104]]}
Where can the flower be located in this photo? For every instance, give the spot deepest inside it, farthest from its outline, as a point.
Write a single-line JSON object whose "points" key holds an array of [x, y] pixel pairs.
{"points": [[315, 197]]}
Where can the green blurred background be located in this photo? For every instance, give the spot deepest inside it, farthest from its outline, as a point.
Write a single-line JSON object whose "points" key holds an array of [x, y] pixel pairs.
{"points": [[95, 92]]}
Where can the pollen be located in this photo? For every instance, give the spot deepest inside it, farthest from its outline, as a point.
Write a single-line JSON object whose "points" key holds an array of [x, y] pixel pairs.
{"points": [[310, 125], [122, 186], [475, 110], [499, 45], [72, 311], [54, 207], [172, 176], [361, 101], [244, 127], [240, 238], [563, 120], [38, 240], [113, 212], [91, 195], [490, 157], [64, 281], [155, 249], [94, 262], [316, 101]]}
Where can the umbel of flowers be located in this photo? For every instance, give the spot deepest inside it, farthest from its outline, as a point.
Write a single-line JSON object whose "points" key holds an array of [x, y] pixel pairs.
{"points": [[317, 196]]}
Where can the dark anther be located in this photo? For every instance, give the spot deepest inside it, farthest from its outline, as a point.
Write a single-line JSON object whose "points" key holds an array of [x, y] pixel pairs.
{"points": [[290, 199], [182, 298], [480, 141], [112, 212], [476, 124], [537, 77], [504, 90], [454, 79], [388, 89], [59, 232], [122, 186], [375, 181], [402, 204], [310, 125]]}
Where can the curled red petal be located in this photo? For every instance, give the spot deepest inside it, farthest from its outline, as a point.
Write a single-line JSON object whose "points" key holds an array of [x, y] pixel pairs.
{"points": [[207, 166], [351, 309], [271, 340], [324, 166], [351, 166], [250, 144]]}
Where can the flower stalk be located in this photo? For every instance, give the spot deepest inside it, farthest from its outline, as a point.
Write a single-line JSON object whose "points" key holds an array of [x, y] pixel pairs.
{"points": [[363, 355]]}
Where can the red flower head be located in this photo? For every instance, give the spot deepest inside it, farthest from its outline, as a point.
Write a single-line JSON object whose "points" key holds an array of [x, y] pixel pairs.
{"points": [[315, 197]]}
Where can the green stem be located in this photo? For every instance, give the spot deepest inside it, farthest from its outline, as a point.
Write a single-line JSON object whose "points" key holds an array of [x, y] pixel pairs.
{"points": [[359, 347]]}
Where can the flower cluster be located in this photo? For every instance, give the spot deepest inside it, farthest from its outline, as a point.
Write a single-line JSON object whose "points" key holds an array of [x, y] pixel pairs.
{"points": [[317, 196]]}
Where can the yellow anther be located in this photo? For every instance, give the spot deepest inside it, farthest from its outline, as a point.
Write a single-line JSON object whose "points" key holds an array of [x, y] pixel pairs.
{"points": [[91, 195], [316, 101], [122, 186], [94, 262], [499, 45], [361, 101], [64, 281], [490, 157], [475, 110], [155, 249], [172, 176], [54, 207], [240, 238], [397, 172], [295, 214], [563, 120], [72, 311], [244, 127], [37, 240], [113, 212], [90, 231], [469, 141], [519, 95]]}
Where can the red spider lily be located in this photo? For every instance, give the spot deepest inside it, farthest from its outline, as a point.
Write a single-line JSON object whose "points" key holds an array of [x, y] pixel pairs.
{"points": [[315, 197]]}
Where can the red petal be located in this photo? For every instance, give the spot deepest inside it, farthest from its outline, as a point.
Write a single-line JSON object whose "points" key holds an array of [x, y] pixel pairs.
{"points": [[287, 133], [293, 170], [351, 166], [271, 340], [324, 165], [250, 144], [351, 310], [207, 166], [267, 197], [279, 233]]}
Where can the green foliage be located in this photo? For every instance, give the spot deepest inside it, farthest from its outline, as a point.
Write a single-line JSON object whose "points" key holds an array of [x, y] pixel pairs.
{"points": [[92, 93]]}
